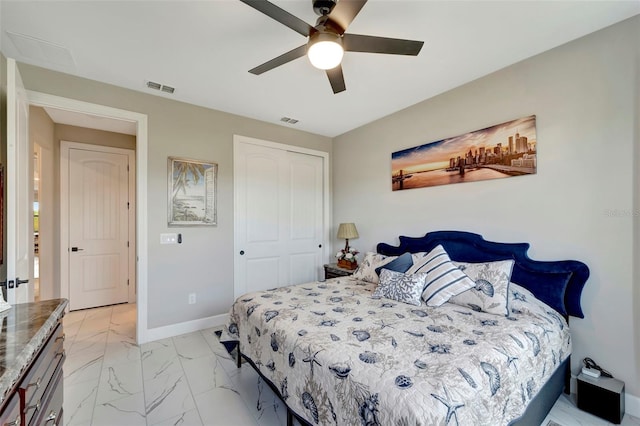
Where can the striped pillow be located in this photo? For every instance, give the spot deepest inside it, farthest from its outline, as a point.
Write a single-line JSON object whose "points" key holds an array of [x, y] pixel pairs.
{"points": [[444, 278]]}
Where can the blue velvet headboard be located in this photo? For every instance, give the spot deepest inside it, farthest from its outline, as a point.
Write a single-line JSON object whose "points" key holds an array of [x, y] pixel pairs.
{"points": [[557, 283]]}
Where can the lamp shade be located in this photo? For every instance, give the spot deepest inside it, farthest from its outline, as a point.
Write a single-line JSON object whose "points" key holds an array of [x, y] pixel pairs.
{"points": [[347, 231], [325, 50]]}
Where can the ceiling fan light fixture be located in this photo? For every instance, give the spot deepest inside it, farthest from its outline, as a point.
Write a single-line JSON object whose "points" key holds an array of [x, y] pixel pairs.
{"points": [[325, 50]]}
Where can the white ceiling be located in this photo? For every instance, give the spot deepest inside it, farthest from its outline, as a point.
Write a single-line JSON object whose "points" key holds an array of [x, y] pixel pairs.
{"points": [[205, 48]]}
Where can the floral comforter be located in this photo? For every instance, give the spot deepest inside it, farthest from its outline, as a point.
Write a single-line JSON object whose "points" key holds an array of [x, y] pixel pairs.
{"points": [[339, 356]]}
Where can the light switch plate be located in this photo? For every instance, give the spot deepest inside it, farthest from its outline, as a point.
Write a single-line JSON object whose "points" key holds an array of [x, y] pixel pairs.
{"points": [[168, 238]]}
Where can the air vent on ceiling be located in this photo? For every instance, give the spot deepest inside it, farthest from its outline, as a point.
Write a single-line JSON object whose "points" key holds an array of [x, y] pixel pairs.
{"points": [[161, 87], [44, 51], [289, 120]]}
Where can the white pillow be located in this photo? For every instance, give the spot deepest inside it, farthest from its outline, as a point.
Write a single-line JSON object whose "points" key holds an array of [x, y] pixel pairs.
{"points": [[401, 287], [491, 291], [444, 278], [367, 269]]}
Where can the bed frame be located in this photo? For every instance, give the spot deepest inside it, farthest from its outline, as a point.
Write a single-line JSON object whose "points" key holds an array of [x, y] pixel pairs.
{"points": [[557, 283]]}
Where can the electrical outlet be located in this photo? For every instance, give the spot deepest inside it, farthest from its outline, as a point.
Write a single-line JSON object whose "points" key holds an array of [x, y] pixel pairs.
{"points": [[192, 298]]}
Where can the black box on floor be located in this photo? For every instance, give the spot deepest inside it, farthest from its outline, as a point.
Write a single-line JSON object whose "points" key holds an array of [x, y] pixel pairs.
{"points": [[603, 397]]}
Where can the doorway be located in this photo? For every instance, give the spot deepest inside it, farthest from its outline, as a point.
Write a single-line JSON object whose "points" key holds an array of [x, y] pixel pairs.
{"points": [[139, 121], [37, 155]]}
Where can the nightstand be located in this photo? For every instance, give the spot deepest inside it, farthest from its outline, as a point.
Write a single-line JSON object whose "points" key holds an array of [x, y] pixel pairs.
{"points": [[332, 270], [603, 397]]}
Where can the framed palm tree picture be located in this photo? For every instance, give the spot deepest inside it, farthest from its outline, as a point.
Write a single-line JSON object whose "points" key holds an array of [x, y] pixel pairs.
{"points": [[192, 192]]}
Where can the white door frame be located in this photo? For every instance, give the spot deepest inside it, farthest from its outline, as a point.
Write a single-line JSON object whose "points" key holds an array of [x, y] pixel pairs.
{"points": [[65, 146], [326, 214], [142, 147]]}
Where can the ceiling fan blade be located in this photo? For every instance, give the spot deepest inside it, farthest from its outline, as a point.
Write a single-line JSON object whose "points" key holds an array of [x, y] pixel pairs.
{"points": [[281, 15], [345, 12], [280, 60], [373, 44], [336, 79]]}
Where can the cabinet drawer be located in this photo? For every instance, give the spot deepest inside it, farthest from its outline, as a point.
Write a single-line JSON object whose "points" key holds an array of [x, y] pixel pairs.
{"points": [[11, 413], [333, 271], [330, 274], [51, 411], [37, 379]]}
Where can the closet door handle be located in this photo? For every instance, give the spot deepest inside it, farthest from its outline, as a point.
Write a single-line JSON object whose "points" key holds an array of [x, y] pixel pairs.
{"points": [[241, 252], [76, 249]]}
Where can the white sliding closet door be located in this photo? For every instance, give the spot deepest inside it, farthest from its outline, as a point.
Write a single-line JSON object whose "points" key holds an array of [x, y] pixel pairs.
{"points": [[279, 216]]}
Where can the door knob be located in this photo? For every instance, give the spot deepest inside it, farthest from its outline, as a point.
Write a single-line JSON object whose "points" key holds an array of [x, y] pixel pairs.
{"points": [[19, 281], [76, 249], [241, 252]]}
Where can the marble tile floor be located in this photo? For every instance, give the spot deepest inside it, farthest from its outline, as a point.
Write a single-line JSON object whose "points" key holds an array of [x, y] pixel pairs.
{"points": [[185, 380]]}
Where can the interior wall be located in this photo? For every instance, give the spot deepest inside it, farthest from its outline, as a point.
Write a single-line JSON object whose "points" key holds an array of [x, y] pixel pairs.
{"points": [[636, 221], [203, 263], [579, 205], [41, 132], [65, 132], [3, 156]]}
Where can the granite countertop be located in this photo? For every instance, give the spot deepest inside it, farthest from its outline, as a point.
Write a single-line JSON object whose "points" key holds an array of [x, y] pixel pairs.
{"points": [[25, 327]]}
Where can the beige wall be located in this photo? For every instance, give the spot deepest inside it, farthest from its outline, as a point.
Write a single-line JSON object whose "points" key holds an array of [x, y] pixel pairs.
{"points": [[3, 155], [636, 226], [68, 133], [203, 264], [585, 97]]}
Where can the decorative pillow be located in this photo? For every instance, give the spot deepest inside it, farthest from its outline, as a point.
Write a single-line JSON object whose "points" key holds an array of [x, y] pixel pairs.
{"points": [[401, 287], [419, 255], [519, 293], [444, 278], [491, 291], [519, 298], [523, 302], [401, 264], [367, 269]]}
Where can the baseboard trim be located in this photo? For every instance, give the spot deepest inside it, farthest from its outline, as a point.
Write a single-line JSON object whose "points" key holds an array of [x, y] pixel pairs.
{"points": [[184, 327], [632, 405]]}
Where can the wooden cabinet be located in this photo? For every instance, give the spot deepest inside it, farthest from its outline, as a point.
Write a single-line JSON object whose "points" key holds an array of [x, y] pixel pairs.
{"points": [[11, 412], [332, 270], [36, 399]]}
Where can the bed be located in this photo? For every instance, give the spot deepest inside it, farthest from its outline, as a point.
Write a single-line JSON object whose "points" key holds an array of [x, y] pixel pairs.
{"points": [[337, 352]]}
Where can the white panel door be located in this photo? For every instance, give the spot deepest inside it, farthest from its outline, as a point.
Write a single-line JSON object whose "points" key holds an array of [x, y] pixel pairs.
{"points": [[19, 182], [305, 206], [278, 217], [98, 228]]}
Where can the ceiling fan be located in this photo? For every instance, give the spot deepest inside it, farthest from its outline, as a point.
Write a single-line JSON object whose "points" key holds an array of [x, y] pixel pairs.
{"points": [[328, 41]]}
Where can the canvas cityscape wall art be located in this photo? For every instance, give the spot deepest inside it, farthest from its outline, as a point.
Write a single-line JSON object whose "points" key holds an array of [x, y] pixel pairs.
{"points": [[504, 150]]}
